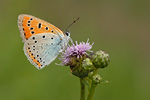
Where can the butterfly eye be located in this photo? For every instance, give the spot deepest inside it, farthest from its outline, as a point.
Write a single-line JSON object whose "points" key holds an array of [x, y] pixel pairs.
{"points": [[67, 33]]}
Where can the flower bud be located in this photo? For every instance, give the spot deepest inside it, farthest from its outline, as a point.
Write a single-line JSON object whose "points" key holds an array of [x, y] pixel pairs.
{"points": [[100, 59], [87, 64], [78, 70], [96, 79]]}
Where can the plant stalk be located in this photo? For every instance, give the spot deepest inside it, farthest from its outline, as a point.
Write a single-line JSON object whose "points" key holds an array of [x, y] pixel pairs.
{"points": [[91, 91], [82, 97], [92, 87]]}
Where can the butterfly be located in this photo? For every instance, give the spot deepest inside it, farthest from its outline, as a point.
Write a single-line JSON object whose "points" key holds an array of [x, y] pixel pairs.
{"points": [[42, 40]]}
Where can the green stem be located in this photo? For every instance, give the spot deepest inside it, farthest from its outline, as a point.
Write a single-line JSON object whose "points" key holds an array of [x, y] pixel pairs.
{"points": [[82, 97], [91, 91], [92, 87]]}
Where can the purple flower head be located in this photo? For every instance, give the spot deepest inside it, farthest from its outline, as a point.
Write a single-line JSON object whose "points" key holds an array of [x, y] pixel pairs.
{"points": [[76, 50]]}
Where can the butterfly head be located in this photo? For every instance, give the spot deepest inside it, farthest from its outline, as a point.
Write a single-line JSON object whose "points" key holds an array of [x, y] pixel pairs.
{"points": [[67, 33]]}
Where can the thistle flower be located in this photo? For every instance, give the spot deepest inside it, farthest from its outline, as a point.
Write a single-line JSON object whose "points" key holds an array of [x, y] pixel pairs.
{"points": [[84, 65], [76, 50]]}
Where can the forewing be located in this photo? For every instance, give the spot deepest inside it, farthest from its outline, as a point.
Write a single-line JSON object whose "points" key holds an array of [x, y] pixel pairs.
{"points": [[30, 25], [42, 49]]}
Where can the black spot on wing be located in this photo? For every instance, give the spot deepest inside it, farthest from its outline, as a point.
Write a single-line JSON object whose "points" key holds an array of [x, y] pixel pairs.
{"points": [[39, 25], [43, 36], [33, 38], [46, 28], [31, 28], [32, 32]]}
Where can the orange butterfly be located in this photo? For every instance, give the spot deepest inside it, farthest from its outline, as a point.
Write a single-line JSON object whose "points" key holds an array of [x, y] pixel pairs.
{"points": [[42, 40]]}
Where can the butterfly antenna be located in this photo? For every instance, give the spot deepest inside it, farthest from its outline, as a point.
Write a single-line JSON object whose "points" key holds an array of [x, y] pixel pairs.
{"points": [[72, 23]]}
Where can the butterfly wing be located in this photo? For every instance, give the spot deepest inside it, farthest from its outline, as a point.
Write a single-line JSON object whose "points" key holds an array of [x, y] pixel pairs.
{"points": [[42, 40], [42, 49], [30, 25]]}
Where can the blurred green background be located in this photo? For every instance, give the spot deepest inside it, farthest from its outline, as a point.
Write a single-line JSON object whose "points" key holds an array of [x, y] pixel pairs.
{"points": [[119, 27]]}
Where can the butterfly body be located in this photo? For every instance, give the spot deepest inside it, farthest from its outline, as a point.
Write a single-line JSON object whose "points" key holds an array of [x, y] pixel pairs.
{"points": [[42, 41]]}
